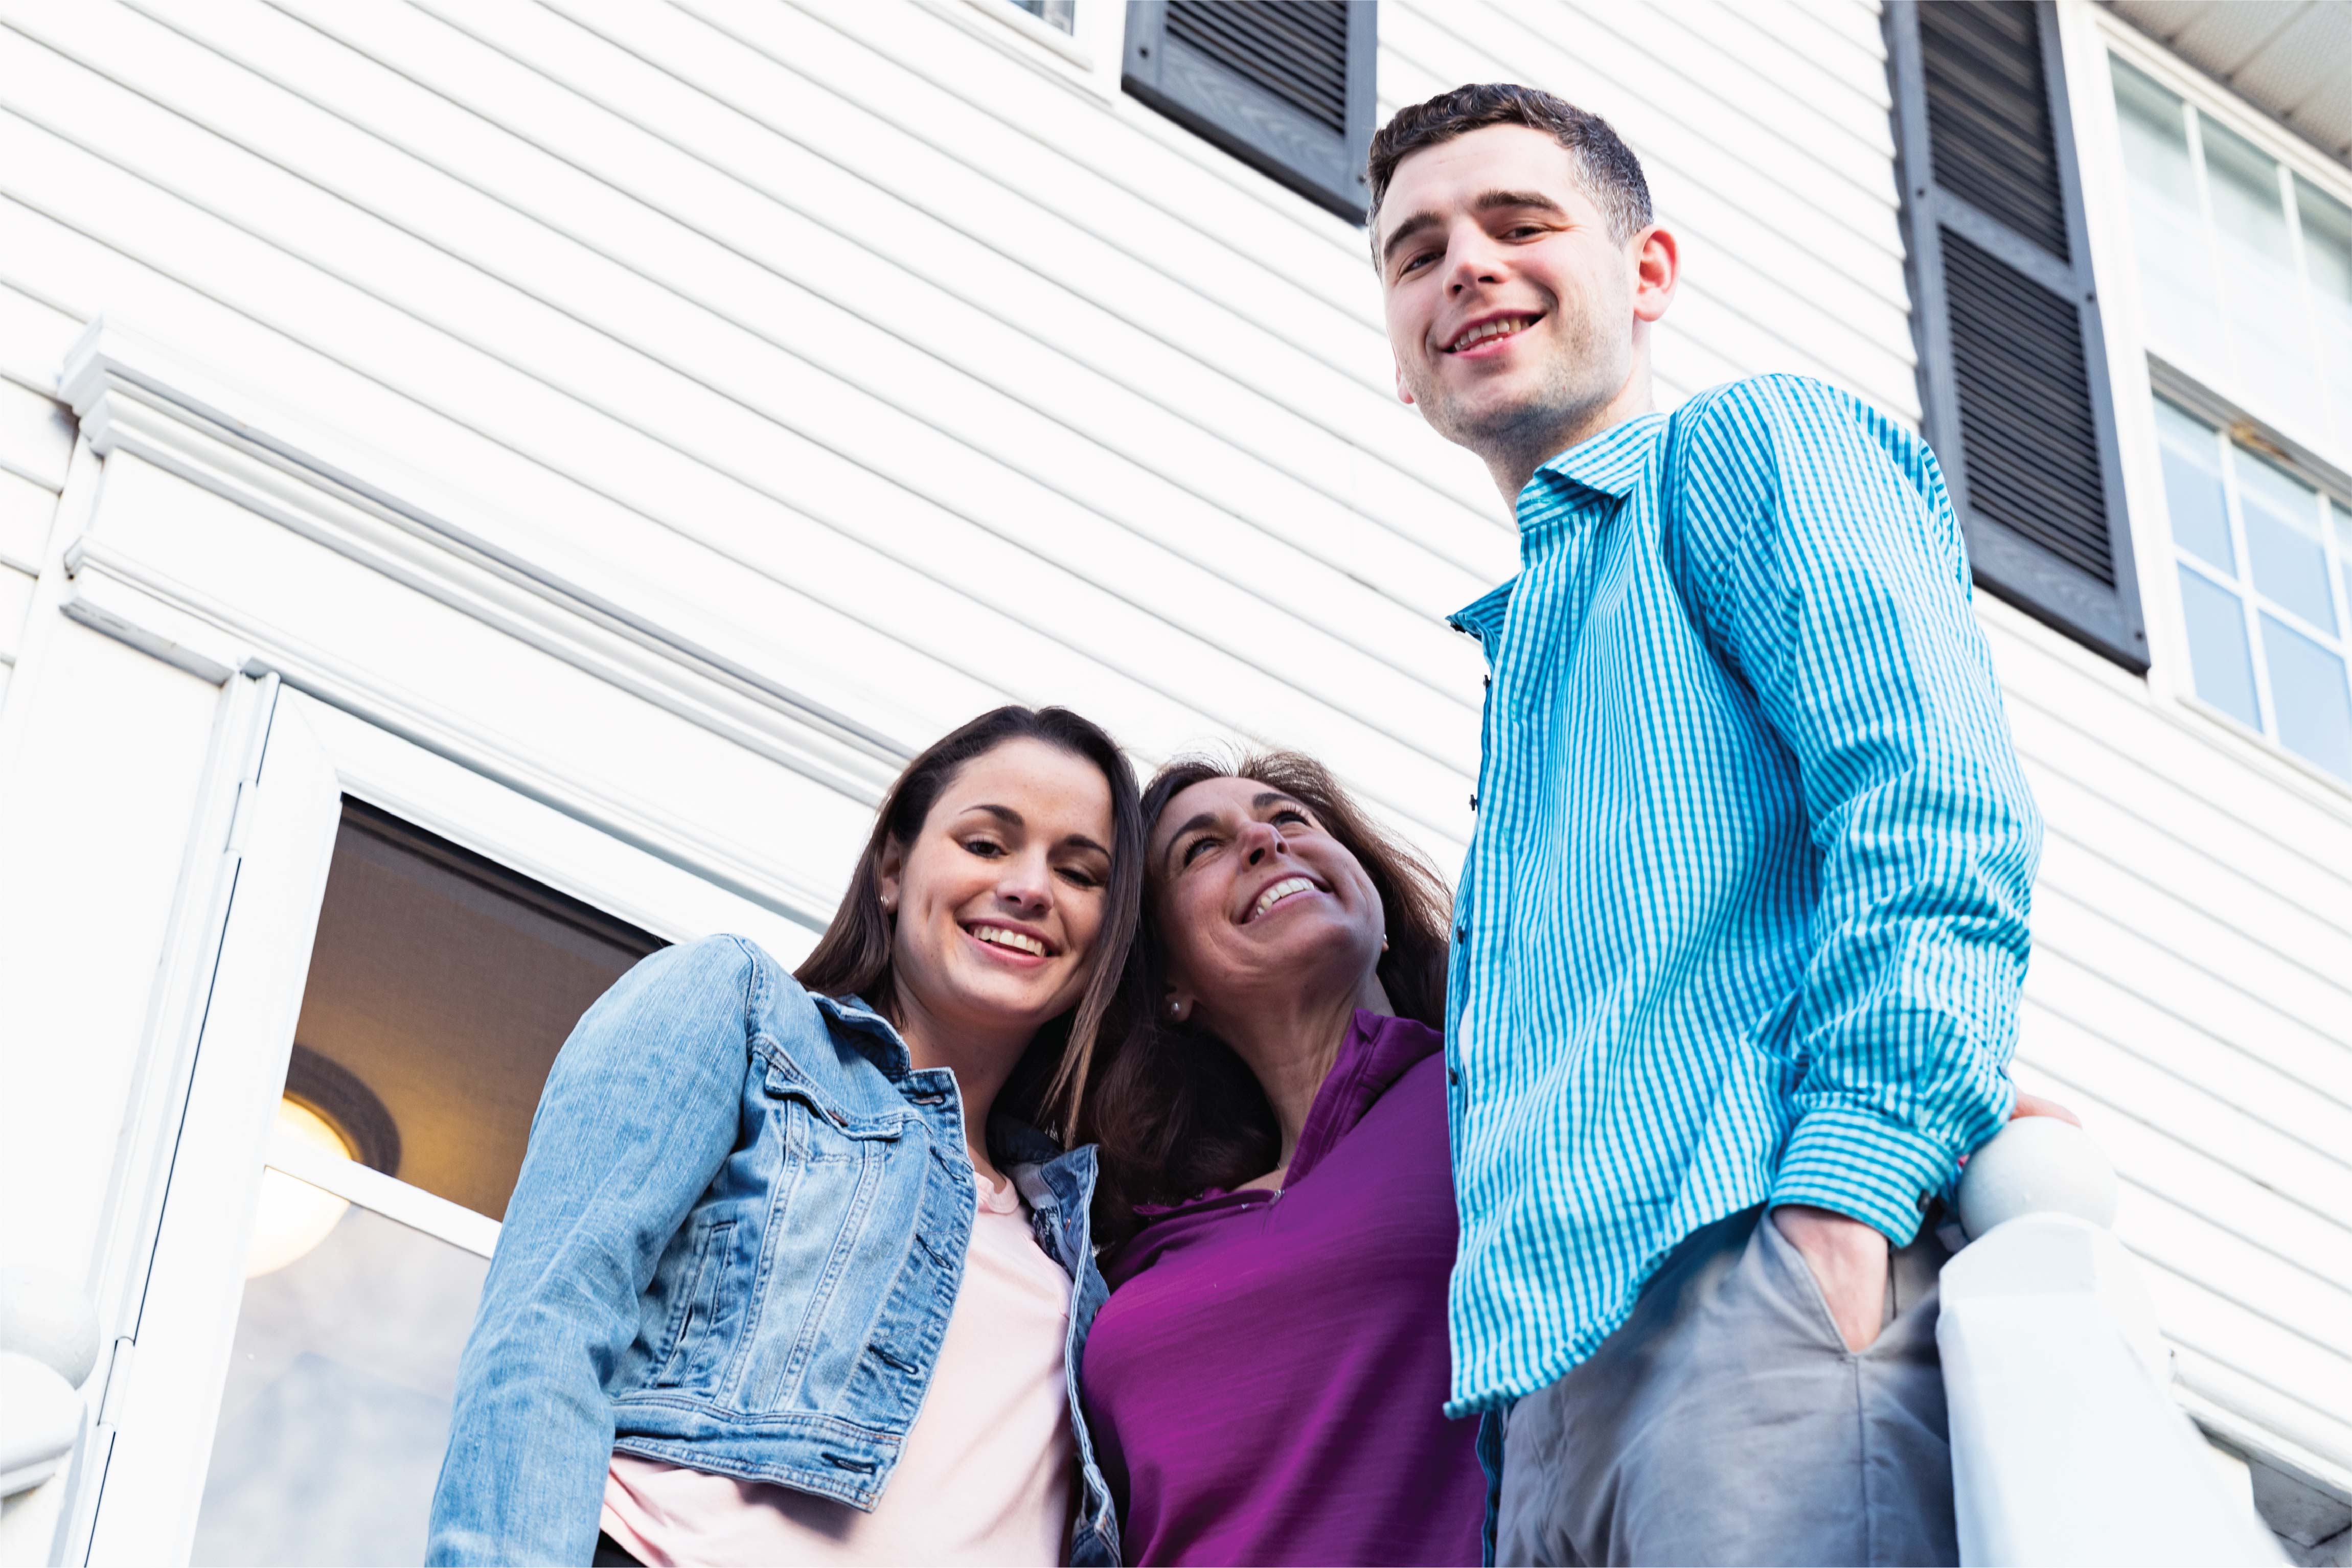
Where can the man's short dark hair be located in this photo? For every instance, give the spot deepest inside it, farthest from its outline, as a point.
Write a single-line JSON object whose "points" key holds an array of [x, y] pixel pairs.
{"points": [[1612, 175]]}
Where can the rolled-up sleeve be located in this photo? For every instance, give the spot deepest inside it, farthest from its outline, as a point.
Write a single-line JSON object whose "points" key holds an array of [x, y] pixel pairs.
{"points": [[1832, 575]]}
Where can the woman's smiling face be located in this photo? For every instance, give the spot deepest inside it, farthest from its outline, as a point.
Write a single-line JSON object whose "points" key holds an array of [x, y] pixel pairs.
{"points": [[1253, 894], [999, 899]]}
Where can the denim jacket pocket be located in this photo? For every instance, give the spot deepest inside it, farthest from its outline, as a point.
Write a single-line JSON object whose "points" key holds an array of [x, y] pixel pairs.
{"points": [[812, 1128], [697, 1305]]}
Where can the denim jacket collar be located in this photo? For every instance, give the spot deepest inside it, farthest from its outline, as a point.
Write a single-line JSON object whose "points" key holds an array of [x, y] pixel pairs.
{"points": [[872, 1034]]}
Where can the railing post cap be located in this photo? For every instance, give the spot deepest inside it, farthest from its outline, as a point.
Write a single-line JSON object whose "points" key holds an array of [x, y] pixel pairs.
{"points": [[2037, 1164], [44, 1315]]}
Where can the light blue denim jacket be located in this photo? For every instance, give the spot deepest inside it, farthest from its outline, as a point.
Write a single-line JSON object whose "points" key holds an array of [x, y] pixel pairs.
{"points": [[734, 1246]]}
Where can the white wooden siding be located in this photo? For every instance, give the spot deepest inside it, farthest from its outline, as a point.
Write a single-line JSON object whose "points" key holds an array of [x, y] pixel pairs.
{"points": [[900, 363], [2192, 996], [36, 439]]}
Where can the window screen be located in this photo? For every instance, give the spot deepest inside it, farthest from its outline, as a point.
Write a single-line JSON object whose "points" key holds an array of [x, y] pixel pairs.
{"points": [[442, 984]]}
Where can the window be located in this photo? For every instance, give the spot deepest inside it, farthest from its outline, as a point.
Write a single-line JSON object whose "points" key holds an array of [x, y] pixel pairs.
{"points": [[1061, 14], [2264, 563], [1284, 85], [2012, 356], [2245, 266]]}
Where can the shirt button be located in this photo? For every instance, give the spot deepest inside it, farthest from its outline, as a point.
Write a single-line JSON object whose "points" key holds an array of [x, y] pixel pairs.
{"points": [[1462, 931], [1473, 802], [1490, 682], [1453, 1076]]}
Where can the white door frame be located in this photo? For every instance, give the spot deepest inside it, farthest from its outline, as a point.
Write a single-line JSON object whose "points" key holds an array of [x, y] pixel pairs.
{"points": [[157, 1418]]}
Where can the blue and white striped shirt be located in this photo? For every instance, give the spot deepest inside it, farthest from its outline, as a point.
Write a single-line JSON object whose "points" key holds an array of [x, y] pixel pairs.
{"points": [[1744, 919]]}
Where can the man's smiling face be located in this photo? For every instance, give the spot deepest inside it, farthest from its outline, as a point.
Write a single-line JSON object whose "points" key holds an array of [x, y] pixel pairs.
{"points": [[1510, 305]]}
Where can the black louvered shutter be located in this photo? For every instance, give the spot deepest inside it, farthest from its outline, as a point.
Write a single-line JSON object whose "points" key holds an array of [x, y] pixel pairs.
{"points": [[1283, 85], [2012, 369]]}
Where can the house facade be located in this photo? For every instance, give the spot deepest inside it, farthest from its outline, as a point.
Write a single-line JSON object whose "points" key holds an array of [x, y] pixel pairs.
{"points": [[491, 487]]}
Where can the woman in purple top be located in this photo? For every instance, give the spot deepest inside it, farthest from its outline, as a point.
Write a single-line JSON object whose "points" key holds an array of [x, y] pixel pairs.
{"points": [[1264, 1385]]}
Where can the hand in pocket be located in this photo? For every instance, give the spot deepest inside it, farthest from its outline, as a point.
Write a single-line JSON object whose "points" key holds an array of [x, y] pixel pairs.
{"points": [[1848, 1259]]}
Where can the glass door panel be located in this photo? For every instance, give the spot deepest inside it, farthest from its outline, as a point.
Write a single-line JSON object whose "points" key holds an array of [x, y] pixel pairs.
{"points": [[338, 1393], [441, 985], [385, 1003]]}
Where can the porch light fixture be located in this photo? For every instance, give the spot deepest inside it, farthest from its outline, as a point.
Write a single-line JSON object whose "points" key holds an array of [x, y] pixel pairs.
{"points": [[295, 1217], [328, 1108]]}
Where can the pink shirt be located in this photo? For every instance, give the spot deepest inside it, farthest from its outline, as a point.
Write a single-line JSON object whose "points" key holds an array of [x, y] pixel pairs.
{"points": [[984, 1476]]}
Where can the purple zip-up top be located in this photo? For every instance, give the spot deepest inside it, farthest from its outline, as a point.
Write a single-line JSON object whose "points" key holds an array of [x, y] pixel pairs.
{"points": [[1264, 1385]]}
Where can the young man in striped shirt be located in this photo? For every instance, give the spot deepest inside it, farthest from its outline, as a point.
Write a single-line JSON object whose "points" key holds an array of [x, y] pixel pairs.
{"points": [[1741, 932]]}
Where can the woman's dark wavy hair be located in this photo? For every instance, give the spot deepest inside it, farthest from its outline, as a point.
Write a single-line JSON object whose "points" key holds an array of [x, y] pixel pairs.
{"points": [[1172, 1107], [853, 956]]}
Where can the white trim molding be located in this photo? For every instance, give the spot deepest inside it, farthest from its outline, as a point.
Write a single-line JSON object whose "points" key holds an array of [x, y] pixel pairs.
{"points": [[134, 395], [131, 393]]}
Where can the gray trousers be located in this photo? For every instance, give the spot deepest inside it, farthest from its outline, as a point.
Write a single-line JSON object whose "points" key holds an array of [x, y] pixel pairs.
{"points": [[1726, 1422]]}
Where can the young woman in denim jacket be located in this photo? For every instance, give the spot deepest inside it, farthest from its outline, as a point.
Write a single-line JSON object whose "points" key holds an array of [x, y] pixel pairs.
{"points": [[764, 1291]]}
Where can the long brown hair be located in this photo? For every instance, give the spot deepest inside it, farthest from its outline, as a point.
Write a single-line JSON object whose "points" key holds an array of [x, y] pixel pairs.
{"points": [[1174, 1110], [854, 956]]}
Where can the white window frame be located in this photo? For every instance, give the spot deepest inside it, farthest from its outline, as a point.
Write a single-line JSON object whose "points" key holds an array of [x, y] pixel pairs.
{"points": [[2296, 159], [2231, 453], [161, 1404], [2091, 36], [1087, 58]]}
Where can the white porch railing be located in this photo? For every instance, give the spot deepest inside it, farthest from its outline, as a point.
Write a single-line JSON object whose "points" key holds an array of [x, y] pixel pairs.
{"points": [[48, 1344], [2067, 1448]]}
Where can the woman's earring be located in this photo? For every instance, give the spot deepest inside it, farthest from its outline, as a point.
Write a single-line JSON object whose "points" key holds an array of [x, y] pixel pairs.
{"points": [[1176, 1011], [1384, 943]]}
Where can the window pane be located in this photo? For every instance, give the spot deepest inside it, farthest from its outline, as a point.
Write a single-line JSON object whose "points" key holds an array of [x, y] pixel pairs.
{"points": [[2327, 257], [441, 985], [2289, 564], [2308, 693], [2267, 321], [2344, 549], [2176, 265], [2192, 488], [337, 1406], [2217, 647]]}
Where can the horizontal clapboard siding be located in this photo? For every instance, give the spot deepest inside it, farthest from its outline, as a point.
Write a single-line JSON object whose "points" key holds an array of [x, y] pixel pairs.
{"points": [[911, 369], [2190, 995], [36, 439]]}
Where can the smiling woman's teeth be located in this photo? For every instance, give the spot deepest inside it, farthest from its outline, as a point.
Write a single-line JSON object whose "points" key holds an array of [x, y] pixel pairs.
{"points": [[1017, 940], [1277, 892]]}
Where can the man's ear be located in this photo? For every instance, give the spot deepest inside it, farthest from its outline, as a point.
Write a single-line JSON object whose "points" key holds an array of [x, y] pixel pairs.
{"points": [[1404, 392], [890, 874], [1657, 268]]}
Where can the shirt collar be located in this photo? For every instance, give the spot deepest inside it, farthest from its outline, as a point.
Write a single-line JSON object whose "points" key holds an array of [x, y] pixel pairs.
{"points": [[1609, 463], [1604, 466], [1379, 1049], [1376, 1053]]}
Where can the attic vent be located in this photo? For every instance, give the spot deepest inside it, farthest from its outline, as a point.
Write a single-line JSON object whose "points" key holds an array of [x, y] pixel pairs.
{"points": [[2025, 409], [1295, 49], [1989, 120], [1286, 86]]}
